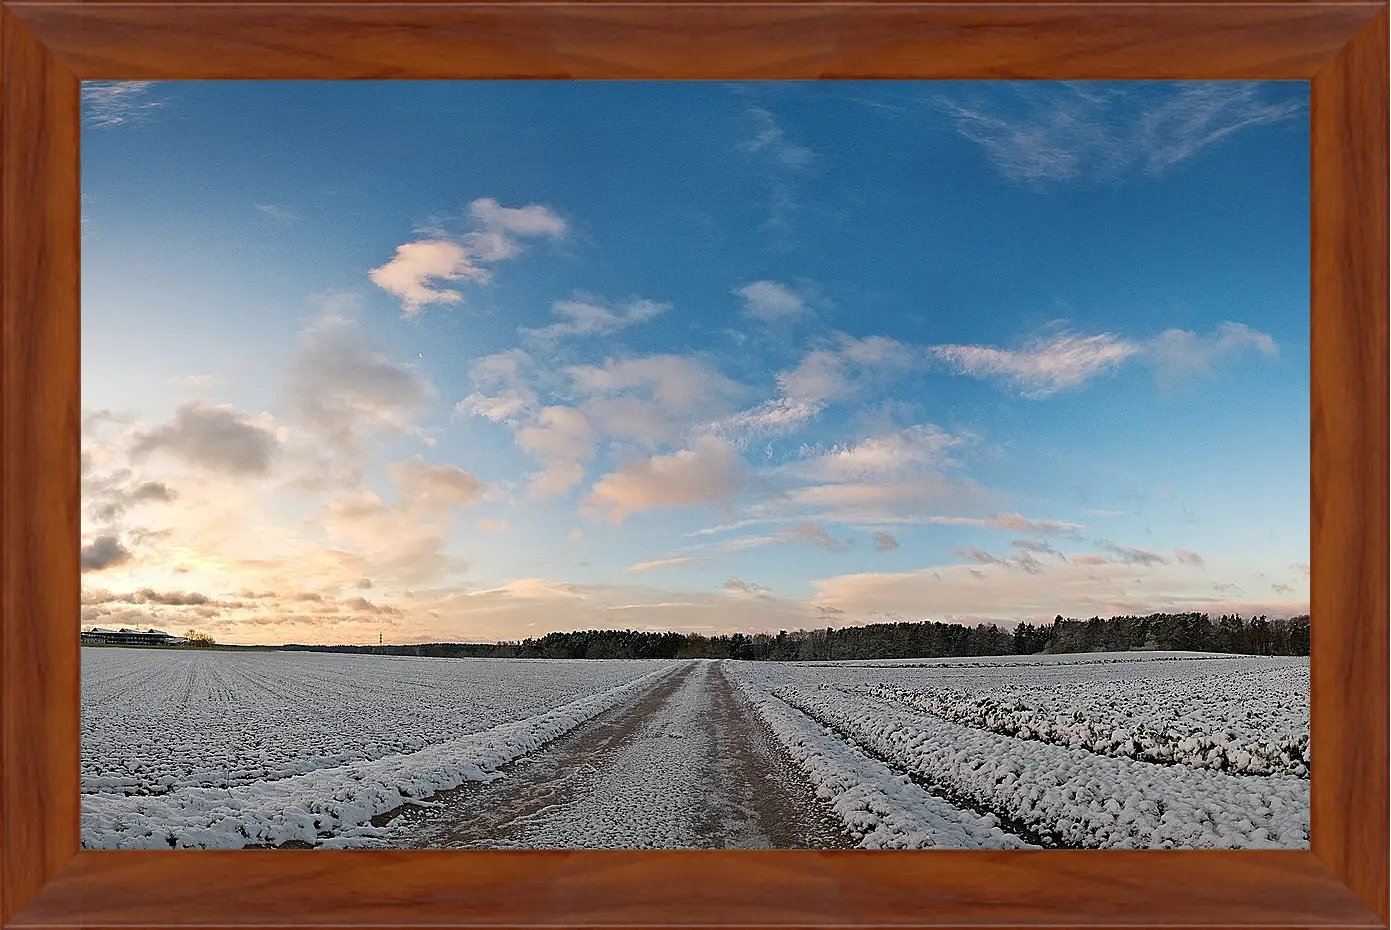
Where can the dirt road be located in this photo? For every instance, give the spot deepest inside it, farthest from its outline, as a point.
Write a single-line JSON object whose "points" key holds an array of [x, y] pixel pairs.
{"points": [[689, 765]]}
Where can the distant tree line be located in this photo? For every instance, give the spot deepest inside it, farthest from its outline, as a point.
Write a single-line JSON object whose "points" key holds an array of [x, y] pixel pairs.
{"points": [[927, 639]]}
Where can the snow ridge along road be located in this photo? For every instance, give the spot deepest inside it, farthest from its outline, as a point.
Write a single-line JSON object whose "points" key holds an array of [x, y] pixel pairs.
{"points": [[336, 802], [226, 750], [689, 765]]}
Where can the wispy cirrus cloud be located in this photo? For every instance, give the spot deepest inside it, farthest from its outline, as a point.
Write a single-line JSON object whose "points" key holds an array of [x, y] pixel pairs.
{"points": [[1043, 367], [276, 212], [1056, 132], [642, 567], [770, 139], [825, 375], [107, 104], [789, 161], [1048, 366]]}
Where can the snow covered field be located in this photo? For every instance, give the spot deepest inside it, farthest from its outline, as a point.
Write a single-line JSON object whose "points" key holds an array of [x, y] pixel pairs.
{"points": [[1127, 750], [223, 749], [1121, 751]]}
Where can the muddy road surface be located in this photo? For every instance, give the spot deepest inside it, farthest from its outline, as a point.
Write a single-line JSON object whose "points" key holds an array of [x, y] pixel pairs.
{"points": [[687, 765]]}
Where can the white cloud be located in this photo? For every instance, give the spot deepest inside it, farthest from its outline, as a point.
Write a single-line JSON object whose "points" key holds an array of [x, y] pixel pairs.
{"points": [[893, 454], [436, 484], [1044, 367], [823, 376], [407, 275], [1021, 524], [709, 472], [504, 374], [562, 441], [555, 479], [769, 300], [1179, 354], [442, 257], [588, 317], [653, 399], [493, 526], [529, 221]]}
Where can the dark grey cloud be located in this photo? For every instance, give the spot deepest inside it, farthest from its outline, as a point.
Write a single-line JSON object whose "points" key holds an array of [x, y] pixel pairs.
{"points": [[748, 587], [104, 552], [1042, 547], [814, 534], [216, 438], [885, 542], [1024, 561], [1132, 556]]}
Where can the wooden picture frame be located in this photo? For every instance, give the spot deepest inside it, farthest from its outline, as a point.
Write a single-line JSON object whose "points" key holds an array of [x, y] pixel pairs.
{"points": [[48, 46]]}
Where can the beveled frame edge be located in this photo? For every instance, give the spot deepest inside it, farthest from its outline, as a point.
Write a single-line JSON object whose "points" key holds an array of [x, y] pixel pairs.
{"points": [[46, 48]]}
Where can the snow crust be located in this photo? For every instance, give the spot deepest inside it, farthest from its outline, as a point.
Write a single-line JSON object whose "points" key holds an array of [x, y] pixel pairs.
{"points": [[156, 721], [336, 803], [882, 808], [1064, 795]]}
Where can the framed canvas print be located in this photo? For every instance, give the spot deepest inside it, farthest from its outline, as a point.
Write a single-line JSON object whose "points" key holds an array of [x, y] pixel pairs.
{"points": [[939, 493]]}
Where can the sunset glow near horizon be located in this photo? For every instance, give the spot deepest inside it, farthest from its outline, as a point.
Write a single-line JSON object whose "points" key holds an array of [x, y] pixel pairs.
{"points": [[469, 361]]}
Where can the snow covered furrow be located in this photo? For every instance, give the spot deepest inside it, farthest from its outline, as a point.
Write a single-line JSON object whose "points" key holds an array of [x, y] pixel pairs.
{"points": [[156, 721], [882, 808], [1170, 722], [1073, 796], [335, 802]]}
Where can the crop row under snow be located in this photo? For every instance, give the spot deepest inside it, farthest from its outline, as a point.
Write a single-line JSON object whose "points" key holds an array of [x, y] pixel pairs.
{"points": [[155, 721], [1247, 714], [1067, 797], [337, 802], [1245, 720], [881, 808]]}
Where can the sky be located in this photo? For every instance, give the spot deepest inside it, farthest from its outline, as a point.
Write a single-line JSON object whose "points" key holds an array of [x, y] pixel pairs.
{"points": [[478, 361]]}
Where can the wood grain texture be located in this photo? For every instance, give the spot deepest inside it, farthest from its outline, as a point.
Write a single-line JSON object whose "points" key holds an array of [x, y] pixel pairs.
{"points": [[785, 41], [694, 888], [39, 239], [1341, 883], [1349, 346]]}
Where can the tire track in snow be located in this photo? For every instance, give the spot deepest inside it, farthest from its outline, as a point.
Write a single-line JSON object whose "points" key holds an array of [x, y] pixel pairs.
{"points": [[883, 805], [689, 765]]}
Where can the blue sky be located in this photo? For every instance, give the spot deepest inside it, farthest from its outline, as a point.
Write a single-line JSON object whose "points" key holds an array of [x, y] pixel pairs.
{"points": [[483, 360]]}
